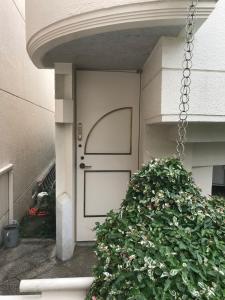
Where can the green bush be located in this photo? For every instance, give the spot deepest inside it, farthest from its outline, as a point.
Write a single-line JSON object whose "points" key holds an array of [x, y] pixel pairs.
{"points": [[166, 241]]}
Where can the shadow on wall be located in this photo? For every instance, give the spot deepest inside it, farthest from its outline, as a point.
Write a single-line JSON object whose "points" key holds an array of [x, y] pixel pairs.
{"points": [[218, 184]]}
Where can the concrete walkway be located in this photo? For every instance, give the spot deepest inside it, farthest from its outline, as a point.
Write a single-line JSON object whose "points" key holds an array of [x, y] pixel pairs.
{"points": [[35, 258]]}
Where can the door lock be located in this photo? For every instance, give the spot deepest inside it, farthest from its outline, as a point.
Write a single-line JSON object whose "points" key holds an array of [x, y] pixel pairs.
{"points": [[83, 166]]}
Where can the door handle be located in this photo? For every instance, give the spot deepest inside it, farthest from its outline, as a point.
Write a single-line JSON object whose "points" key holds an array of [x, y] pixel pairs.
{"points": [[83, 166]]}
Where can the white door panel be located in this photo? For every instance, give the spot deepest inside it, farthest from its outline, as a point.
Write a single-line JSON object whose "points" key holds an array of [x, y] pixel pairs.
{"points": [[108, 132], [97, 199], [111, 134]]}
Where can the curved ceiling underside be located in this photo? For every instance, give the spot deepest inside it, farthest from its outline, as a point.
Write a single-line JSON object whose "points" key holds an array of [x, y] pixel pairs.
{"points": [[118, 50]]}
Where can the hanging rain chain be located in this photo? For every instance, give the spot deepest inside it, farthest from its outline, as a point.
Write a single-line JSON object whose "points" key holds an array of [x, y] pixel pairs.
{"points": [[186, 79]]}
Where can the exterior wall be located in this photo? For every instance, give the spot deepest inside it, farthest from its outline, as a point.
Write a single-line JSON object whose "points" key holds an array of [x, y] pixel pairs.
{"points": [[163, 68], [203, 178], [150, 104], [208, 73], [56, 10], [161, 79], [151, 84], [53, 23], [208, 154], [26, 114]]}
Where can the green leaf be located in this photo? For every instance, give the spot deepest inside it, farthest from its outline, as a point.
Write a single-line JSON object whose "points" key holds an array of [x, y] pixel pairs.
{"points": [[164, 240]]}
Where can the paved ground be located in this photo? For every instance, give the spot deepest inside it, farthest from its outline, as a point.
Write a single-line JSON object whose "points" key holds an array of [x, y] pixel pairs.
{"points": [[35, 258]]}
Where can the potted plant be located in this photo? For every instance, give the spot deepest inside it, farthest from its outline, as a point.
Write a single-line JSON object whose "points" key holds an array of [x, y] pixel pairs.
{"points": [[167, 241]]}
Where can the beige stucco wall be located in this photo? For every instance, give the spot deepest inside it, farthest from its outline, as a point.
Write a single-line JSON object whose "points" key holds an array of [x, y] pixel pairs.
{"points": [[162, 75], [26, 111], [160, 99], [208, 74]]}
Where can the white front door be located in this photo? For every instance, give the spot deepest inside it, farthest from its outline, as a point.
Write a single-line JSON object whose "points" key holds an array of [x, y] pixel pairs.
{"points": [[107, 143]]}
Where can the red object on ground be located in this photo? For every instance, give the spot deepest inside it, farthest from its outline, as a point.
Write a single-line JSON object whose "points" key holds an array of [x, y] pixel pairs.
{"points": [[42, 213], [33, 211]]}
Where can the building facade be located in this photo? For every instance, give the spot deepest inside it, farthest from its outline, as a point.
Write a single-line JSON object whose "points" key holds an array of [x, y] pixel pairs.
{"points": [[117, 83], [26, 116]]}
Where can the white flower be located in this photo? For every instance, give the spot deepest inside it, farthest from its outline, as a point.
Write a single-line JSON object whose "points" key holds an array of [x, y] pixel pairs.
{"points": [[161, 265], [149, 263], [210, 292], [218, 270], [150, 274], [175, 221], [107, 274], [108, 260], [118, 248], [173, 293], [147, 243], [195, 293], [132, 257], [174, 272], [164, 274], [201, 285]]}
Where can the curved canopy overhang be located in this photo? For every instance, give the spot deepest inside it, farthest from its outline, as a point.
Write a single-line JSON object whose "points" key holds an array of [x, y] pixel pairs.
{"points": [[106, 37]]}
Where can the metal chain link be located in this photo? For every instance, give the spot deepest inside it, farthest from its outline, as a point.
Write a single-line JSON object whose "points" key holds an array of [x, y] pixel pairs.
{"points": [[186, 79]]}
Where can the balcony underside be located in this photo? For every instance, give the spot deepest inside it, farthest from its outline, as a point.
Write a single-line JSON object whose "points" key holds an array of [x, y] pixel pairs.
{"points": [[118, 50], [115, 37]]}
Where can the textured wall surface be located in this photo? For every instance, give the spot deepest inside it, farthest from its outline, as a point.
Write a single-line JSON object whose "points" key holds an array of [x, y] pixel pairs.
{"points": [[163, 69], [208, 75], [206, 147], [26, 111]]}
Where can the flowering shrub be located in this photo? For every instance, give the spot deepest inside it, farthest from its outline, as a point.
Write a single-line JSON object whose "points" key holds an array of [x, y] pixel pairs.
{"points": [[166, 242]]}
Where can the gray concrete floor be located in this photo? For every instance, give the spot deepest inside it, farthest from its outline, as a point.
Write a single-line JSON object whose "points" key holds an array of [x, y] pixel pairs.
{"points": [[34, 258]]}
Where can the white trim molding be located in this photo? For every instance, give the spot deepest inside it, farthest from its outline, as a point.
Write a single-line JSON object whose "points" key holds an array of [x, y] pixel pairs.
{"points": [[56, 284], [105, 19], [192, 118], [58, 288]]}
